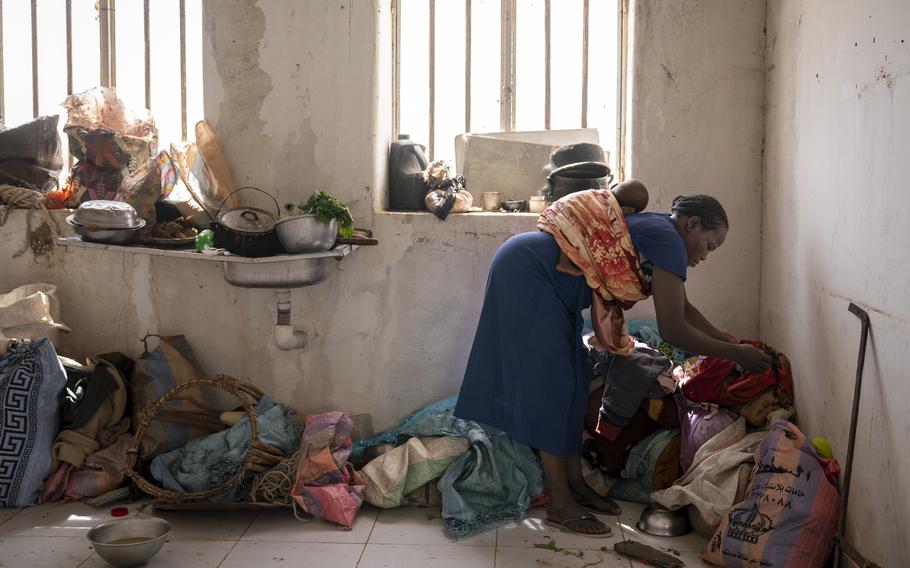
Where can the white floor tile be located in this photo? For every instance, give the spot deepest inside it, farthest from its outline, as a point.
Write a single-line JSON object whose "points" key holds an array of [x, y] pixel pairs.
{"points": [[692, 542], [533, 531], [43, 551], [180, 554], [206, 525], [525, 557], [424, 556], [422, 526], [631, 512], [251, 554], [281, 525], [58, 519], [690, 559], [7, 514]]}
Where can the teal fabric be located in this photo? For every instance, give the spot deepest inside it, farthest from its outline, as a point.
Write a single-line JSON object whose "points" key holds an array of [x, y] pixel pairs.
{"points": [[635, 479], [207, 462], [489, 485], [646, 331]]}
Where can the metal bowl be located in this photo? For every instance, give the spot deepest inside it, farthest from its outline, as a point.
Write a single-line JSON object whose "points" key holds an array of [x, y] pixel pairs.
{"points": [[129, 542], [106, 236], [106, 214], [306, 233], [513, 206], [664, 522]]}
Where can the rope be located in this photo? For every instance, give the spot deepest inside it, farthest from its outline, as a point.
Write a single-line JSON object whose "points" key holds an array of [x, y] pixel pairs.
{"points": [[274, 485], [18, 197], [39, 239]]}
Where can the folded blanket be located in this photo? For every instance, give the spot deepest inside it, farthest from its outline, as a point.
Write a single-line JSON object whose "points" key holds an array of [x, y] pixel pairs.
{"points": [[489, 485]]}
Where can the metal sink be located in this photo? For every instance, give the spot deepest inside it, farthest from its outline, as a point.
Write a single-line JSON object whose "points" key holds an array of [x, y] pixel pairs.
{"points": [[281, 271]]}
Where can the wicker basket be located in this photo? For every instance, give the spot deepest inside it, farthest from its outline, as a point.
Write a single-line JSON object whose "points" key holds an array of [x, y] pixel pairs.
{"points": [[246, 394]]}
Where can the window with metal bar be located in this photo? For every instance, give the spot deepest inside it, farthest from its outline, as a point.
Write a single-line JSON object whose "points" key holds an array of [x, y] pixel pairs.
{"points": [[505, 65], [150, 52]]}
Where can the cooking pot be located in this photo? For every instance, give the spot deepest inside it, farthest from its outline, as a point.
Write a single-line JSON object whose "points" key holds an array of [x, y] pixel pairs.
{"points": [[578, 177], [247, 231]]}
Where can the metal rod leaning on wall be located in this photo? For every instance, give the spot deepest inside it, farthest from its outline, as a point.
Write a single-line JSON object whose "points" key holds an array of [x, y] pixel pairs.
{"points": [[840, 545]]}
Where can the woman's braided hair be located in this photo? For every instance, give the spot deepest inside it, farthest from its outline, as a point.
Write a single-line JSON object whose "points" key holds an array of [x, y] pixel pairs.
{"points": [[705, 207]]}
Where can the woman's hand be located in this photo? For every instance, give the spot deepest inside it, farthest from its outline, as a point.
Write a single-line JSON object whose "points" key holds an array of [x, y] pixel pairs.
{"points": [[752, 359]]}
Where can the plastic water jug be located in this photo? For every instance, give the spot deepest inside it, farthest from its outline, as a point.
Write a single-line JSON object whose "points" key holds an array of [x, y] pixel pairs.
{"points": [[407, 189]]}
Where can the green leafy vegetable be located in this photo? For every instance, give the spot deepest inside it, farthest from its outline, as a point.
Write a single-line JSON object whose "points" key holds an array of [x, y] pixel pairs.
{"points": [[326, 208]]}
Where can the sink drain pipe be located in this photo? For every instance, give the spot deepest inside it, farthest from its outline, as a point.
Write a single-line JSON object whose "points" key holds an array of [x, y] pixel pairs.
{"points": [[286, 337]]}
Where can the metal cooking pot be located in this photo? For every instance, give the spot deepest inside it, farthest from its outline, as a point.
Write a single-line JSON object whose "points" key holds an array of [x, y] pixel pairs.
{"points": [[247, 231], [578, 177]]}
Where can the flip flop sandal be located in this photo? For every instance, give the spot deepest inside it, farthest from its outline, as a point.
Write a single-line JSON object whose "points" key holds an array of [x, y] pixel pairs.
{"points": [[564, 526], [589, 506]]}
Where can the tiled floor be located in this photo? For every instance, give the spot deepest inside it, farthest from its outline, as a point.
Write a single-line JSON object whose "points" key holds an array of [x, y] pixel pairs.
{"points": [[54, 536]]}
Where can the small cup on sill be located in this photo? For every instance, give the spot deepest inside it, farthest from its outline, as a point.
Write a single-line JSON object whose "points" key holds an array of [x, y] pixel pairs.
{"points": [[490, 200]]}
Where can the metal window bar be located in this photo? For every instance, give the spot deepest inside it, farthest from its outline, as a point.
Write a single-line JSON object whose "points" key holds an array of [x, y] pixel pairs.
{"points": [[148, 54], [69, 47], [467, 66], [34, 20], [507, 76], [2, 107], [585, 23], [396, 68], [182, 69], [432, 118], [104, 38], [547, 45]]}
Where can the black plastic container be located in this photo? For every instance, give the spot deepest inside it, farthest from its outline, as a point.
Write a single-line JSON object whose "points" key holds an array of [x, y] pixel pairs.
{"points": [[407, 189]]}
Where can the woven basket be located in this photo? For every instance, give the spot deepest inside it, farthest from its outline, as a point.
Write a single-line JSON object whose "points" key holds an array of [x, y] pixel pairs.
{"points": [[247, 396]]}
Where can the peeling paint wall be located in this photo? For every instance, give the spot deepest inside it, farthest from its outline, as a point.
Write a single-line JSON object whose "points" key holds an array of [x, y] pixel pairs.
{"points": [[298, 93], [836, 206]]}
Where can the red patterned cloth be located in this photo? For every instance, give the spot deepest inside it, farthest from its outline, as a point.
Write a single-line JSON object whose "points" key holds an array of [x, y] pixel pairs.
{"points": [[591, 232], [713, 379]]}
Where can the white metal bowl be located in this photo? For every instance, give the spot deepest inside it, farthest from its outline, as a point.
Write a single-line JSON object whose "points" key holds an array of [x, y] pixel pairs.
{"points": [[306, 233], [125, 543]]}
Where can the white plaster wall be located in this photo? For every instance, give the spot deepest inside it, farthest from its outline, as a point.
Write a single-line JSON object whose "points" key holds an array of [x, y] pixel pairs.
{"points": [[298, 94], [837, 162], [695, 126]]}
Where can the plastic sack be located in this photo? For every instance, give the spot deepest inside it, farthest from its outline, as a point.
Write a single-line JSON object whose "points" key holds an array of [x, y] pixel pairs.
{"points": [[790, 515], [205, 181], [31, 311], [142, 189], [108, 141], [101, 108], [30, 154], [156, 372], [31, 379]]}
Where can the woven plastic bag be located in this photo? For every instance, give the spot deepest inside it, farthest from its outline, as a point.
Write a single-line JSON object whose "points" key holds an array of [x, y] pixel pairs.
{"points": [[156, 372], [789, 517], [31, 311]]}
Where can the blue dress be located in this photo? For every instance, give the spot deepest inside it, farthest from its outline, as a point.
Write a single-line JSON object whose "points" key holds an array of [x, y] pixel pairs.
{"points": [[528, 373]]}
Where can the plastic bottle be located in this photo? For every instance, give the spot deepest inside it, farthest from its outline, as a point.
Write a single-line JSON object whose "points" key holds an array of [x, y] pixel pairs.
{"points": [[407, 189]]}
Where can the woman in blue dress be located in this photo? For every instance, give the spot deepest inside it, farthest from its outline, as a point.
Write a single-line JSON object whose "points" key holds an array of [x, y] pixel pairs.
{"points": [[528, 372]]}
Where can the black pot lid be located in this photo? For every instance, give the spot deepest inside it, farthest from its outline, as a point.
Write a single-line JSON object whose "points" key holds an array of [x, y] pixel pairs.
{"points": [[582, 170], [247, 220]]}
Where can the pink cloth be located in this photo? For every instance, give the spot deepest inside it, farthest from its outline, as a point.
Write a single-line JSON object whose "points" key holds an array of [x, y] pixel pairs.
{"points": [[326, 485]]}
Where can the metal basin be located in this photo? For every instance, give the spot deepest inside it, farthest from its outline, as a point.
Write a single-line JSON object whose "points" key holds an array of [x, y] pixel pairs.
{"points": [[290, 274], [106, 236], [664, 522], [129, 542], [306, 233]]}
